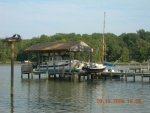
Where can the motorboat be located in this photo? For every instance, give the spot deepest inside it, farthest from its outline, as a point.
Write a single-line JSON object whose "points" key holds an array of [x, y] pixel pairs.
{"points": [[60, 63], [114, 71]]}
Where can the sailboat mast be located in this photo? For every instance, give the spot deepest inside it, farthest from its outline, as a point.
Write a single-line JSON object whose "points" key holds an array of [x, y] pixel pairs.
{"points": [[103, 48]]}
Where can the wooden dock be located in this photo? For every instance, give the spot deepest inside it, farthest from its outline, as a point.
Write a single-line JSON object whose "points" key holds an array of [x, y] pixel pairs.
{"points": [[138, 69], [143, 72], [28, 69]]}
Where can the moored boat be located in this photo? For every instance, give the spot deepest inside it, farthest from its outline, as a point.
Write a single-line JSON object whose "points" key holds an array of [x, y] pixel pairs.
{"points": [[60, 63], [94, 67]]}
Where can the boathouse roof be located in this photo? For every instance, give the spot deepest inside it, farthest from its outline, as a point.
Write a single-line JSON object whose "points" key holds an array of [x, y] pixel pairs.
{"points": [[75, 46]]}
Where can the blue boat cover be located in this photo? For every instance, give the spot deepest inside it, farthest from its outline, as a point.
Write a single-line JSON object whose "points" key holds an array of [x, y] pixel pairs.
{"points": [[109, 64]]}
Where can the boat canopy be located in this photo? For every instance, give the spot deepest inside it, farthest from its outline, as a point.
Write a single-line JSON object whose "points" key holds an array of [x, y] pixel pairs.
{"points": [[76, 46]]}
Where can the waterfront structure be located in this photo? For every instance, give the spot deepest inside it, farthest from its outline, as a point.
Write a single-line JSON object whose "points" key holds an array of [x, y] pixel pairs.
{"points": [[53, 48]]}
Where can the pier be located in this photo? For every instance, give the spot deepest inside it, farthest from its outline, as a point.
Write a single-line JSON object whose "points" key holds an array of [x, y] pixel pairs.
{"points": [[27, 69], [76, 76], [138, 69], [72, 48]]}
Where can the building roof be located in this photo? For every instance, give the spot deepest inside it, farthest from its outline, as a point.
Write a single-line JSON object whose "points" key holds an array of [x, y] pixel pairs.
{"points": [[60, 46]]}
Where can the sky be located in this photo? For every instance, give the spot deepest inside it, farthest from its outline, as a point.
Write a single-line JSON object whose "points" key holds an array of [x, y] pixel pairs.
{"points": [[33, 18]]}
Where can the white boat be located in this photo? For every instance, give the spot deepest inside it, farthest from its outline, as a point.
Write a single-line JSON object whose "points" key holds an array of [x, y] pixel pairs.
{"points": [[59, 63], [94, 67]]}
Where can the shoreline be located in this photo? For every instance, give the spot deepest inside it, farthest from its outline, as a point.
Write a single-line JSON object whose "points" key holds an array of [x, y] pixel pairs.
{"points": [[9, 62]]}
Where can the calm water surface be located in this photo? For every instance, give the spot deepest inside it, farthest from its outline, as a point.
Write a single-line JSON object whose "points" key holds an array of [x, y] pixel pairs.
{"points": [[63, 96]]}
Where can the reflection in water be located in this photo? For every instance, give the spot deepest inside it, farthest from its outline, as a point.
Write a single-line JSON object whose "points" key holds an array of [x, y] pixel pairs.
{"points": [[63, 96], [12, 104], [44, 95]]}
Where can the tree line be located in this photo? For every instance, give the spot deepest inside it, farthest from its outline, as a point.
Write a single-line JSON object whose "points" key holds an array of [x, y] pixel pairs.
{"points": [[128, 46]]}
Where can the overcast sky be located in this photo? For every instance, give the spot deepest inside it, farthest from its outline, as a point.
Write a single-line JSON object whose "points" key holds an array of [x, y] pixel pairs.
{"points": [[32, 18]]}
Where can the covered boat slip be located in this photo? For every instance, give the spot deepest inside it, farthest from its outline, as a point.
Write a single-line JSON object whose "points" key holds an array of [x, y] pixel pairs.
{"points": [[52, 50]]}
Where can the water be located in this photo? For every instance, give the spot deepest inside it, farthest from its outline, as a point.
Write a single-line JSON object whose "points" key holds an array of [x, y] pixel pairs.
{"points": [[64, 96]]}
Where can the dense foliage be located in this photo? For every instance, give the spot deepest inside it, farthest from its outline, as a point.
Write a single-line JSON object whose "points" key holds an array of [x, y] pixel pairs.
{"points": [[128, 46]]}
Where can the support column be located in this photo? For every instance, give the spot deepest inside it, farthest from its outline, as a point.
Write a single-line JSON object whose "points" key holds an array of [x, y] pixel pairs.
{"points": [[39, 64], [142, 76], [12, 68], [134, 78], [54, 66], [69, 61], [126, 76], [111, 74]]}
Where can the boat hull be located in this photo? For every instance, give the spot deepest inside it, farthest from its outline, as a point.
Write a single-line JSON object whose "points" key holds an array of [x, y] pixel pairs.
{"points": [[94, 70]]}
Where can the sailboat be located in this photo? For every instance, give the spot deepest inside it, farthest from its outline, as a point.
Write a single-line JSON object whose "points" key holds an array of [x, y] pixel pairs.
{"points": [[106, 64], [95, 67]]}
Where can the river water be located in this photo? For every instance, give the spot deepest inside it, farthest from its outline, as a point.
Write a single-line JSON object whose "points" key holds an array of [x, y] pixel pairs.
{"points": [[64, 96]]}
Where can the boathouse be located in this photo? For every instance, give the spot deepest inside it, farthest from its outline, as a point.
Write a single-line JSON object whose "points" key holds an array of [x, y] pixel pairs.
{"points": [[55, 48]]}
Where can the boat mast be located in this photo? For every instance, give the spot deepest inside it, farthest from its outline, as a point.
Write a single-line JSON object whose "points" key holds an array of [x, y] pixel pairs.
{"points": [[103, 41]]}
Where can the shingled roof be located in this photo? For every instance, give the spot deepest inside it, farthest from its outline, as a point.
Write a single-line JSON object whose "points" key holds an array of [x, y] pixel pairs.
{"points": [[60, 46]]}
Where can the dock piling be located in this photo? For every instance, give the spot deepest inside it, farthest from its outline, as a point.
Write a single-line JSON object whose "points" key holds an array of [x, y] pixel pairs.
{"points": [[134, 78], [126, 75], [142, 76]]}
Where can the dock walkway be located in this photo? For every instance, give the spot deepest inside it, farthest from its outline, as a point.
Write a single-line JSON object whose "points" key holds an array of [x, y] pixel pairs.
{"points": [[28, 69], [143, 72]]}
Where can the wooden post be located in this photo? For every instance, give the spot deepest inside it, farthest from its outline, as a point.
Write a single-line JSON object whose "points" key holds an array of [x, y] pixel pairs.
{"points": [[54, 66], [91, 76], [32, 74], [39, 63], [28, 75], [11, 40], [142, 76], [28, 57], [148, 67], [70, 61], [111, 74], [12, 68], [47, 70], [54, 61], [84, 77], [134, 78], [140, 67], [74, 76], [79, 77], [88, 77], [128, 67], [126, 76], [21, 73]]}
